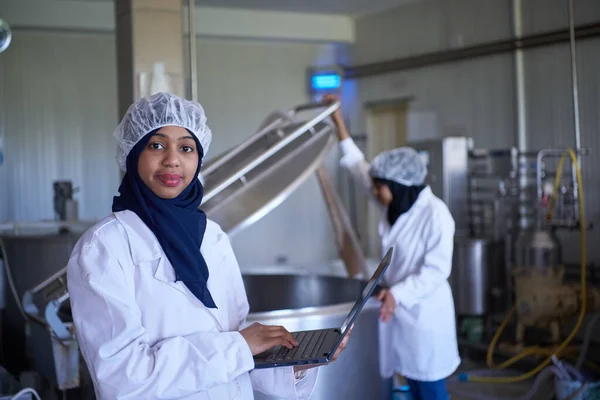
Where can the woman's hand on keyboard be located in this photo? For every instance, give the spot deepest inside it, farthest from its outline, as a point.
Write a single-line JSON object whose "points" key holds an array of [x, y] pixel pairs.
{"points": [[261, 338]]}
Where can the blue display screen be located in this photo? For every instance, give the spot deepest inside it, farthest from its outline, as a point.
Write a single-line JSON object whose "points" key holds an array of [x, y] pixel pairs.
{"points": [[326, 81]]}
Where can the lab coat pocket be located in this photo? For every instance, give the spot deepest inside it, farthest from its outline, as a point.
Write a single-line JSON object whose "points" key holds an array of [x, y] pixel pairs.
{"points": [[421, 316], [431, 315], [408, 316]]}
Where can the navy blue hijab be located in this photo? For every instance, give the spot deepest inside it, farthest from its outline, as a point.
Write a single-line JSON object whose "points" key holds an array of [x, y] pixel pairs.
{"points": [[178, 223], [403, 198]]}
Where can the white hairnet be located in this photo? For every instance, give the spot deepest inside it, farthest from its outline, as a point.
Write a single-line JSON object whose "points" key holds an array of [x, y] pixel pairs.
{"points": [[403, 165], [157, 111]]}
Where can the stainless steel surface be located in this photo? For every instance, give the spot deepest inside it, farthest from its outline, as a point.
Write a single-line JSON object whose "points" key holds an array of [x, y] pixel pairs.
{"points": [[5, 35], [568, 218], [261, 147], [479, 277], [448, 175], [252, 179], [528, 202], [268, 185], [193, 49], [301, 302], [502, 197], [32, 258], [57, 361], [43, 303], [517, 19], [537, 248], [493, 192], [574, 82]]}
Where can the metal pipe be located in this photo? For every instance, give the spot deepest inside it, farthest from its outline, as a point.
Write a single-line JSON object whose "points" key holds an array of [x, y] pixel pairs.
{"points": [[575, 88], [517, 13], [193, 60], [574, 78], [481, 50]]}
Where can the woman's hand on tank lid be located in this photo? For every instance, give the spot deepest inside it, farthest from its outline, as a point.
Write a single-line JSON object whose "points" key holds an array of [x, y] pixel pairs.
{"points": [[337, 118], [261, 338], [388, 305], [337, 114]]}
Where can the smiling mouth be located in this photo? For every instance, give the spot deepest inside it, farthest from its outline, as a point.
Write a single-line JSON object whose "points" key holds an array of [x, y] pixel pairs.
{"points": [[170, 180]]}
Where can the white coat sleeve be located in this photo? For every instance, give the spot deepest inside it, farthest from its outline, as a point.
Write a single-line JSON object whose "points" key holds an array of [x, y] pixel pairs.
{"points": [[353, 161], [277, 382], [437, 262], [115, 345]]}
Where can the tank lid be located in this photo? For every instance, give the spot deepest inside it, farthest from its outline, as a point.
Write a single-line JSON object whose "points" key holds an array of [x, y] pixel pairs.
{"points": [[245, 183]]}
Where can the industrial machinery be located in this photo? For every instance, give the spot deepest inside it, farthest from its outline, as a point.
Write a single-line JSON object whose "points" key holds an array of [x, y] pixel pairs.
{"points": [[51, 338], [241, 186], [542, 299], [508, 206], [65, 207]]}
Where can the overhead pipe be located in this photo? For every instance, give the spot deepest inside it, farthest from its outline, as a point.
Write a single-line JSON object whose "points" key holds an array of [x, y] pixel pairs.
{"points": [[517, 17], [493, 48], [575, 91], [574, 79], [193, 49]]}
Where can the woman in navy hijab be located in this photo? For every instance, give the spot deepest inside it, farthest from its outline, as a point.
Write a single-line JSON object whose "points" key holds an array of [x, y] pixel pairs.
{"points": [[157, 296]]}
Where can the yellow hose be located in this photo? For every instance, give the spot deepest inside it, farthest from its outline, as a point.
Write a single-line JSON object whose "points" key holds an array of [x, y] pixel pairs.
{"points": [[582, 312]]}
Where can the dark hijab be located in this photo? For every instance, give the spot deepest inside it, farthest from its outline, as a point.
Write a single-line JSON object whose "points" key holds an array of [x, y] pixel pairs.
{"points": [[178, 223], [403, 198]]}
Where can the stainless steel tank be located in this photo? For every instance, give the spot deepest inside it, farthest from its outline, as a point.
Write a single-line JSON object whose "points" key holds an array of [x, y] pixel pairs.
{"points": [[301, 302], [479, 279]]}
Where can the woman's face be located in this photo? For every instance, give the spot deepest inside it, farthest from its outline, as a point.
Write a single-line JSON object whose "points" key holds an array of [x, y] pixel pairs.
{"points": [[382, 193], [169, 162]]}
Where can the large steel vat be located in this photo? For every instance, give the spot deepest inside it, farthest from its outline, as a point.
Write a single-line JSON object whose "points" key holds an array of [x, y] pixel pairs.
{"points": [[301, 302]]}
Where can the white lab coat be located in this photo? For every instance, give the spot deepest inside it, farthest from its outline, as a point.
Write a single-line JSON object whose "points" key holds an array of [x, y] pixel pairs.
{"points": [[419, 342], [145, 336]]}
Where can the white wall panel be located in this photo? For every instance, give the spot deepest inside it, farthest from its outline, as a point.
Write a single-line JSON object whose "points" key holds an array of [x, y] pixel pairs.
{"points": [[428, 26], [58, 99]]}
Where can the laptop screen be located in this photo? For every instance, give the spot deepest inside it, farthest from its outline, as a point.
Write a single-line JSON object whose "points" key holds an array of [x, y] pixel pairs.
{"points": [[366, 293]]}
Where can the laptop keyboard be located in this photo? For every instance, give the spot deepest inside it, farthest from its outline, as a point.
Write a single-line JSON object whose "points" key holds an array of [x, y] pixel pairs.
{"points": [[308, 346]]}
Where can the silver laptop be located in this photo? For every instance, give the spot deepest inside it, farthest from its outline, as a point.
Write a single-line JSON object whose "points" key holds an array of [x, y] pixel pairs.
{"points": [[319, 346]]}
